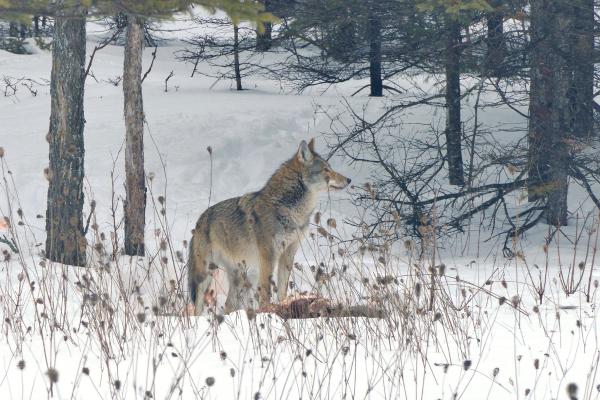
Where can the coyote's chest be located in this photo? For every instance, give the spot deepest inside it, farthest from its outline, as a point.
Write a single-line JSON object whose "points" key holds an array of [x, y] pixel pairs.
{"points": [[293, 222]]}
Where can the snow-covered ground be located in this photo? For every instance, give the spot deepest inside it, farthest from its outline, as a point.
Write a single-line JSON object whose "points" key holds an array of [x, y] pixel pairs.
{"points": [[117, 331]]}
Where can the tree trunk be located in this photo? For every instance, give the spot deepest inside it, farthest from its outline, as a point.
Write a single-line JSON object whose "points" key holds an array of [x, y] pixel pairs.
{"points": [[550, 114], [375, 55], [582, 48], [13, 29], [263, 39], [23, 31], [36, 26], [135, 180], [236, 58], [65, 238], [496, 46], [453, 123]]}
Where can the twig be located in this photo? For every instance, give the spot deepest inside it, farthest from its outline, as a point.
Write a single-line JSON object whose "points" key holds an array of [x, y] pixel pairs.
{"points": [[100, 47], [151, 63], [167, 81]]}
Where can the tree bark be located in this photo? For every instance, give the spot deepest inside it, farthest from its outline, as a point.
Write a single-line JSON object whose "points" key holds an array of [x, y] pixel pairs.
{"points": [[65, 238], [36, 26], [135, 180], [375, 55], [496, 46], [264, 40], [453, 117], [13, 29], [550, 114], [236, 58], [582, 48]]}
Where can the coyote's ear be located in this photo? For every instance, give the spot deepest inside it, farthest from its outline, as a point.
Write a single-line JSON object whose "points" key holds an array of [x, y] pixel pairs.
{"points": [[311, 145], [304, 154]]}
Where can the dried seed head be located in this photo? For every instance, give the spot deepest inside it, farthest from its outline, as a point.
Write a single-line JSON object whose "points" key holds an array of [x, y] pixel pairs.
{"points": [[323, 232], [52, 375], [317, 218], [572, 390], [467, 364], [1, 152], [141, 317], [515, 300], [210, 381], [442, 269], [21, 365], [495, 372], [536, 363], [331, 223], [86, 370], [161, 200]]}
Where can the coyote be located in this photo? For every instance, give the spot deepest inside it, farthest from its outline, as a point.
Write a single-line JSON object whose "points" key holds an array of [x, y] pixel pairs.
{"points": [[254, 236]]}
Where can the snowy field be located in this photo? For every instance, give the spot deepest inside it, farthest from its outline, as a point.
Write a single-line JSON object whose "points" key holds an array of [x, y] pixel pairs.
{"points": [[498, 329]]}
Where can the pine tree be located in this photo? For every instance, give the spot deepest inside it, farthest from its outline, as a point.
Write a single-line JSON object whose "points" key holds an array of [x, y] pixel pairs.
{"points": [[135, 181], [65, 238]]}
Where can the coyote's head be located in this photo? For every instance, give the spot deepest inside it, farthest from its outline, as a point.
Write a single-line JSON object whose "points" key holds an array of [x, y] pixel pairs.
{"points": [[316, 171]]}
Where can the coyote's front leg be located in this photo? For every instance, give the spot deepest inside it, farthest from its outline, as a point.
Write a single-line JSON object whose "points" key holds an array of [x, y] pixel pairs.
{"points": [[284, 269], [267, 266]]}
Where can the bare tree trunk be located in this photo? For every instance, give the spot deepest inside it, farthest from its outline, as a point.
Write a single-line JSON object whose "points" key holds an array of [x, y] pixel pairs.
{"points": [[135, 180], [264, 41], [65, 238], [13, 29], [453, 118], [582, 47], [375, 55], [236, 58], [549, 110], [496, 46], [36, 26]]}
